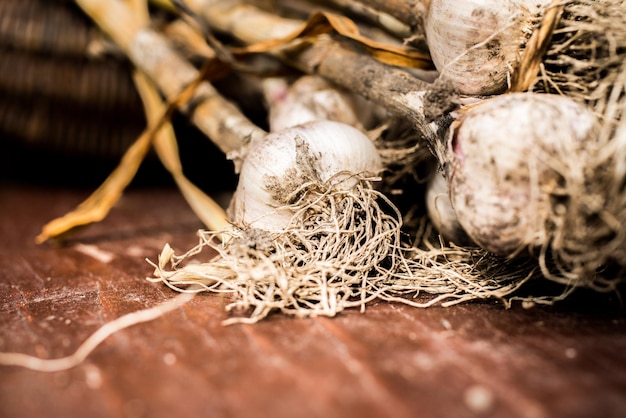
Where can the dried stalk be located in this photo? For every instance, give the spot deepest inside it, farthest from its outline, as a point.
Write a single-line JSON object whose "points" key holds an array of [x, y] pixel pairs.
{"points": [[367, 17], [150, 51], [134, 16], [385, 20], [409, 12], [95, 339], [327, 57], [208, 211]]}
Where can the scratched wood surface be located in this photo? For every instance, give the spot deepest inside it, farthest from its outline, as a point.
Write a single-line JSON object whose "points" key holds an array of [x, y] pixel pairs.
{"points": [[475, 360]]}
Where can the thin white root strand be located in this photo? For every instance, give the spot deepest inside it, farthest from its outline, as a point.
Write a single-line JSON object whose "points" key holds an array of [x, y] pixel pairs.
{"points": [[90, 344]]}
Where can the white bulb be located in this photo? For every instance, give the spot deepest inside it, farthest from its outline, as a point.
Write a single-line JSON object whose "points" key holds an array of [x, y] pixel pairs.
{"points": [[309, 153], [311, 98], [511, 158], [477, 44], [441, 212]]}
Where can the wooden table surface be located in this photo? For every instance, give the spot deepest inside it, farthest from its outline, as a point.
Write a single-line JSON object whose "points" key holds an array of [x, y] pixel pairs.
{"points": [[473, 360]]}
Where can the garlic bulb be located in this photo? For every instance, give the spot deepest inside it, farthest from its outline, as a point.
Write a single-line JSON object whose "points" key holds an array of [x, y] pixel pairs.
{"points": [[286, 160], [441, 212], [477, 44], [513, 162], [311, 98]]}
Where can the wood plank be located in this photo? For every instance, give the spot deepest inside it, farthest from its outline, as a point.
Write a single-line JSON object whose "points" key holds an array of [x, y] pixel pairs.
{"points": [[393, 360]]}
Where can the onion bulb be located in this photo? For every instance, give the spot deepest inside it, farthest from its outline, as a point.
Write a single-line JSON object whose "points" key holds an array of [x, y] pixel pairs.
{"points": [[514, 161], [310, 153], [477, 44]]}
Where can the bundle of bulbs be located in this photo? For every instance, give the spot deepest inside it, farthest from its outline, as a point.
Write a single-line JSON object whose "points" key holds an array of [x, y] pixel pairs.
{"points": [[516, 144]]}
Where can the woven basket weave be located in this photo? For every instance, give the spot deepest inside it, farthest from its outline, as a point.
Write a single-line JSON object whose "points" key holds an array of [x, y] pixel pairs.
{"points": [[55, 93], [68, 105]]}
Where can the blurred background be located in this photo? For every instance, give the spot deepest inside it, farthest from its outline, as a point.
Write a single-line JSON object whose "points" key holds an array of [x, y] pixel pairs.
{"points": [[69, 109]]}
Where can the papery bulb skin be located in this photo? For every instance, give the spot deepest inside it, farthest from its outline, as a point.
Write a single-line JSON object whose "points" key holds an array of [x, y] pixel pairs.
{"points": [[441, 212], [308, 153], [311, 98], [511, 158], [477, 44]]}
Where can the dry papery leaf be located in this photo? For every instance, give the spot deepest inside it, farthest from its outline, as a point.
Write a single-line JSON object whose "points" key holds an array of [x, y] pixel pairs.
{"points": [[160, 132]]}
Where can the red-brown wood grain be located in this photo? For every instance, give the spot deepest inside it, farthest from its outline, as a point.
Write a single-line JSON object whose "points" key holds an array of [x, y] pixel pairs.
{"points": [[390, 361]]}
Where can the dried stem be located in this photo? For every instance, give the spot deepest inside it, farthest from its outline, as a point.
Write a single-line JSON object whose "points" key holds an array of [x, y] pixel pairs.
{"points": [[366, 16], [410, 12], [385, 20], [150, 51], [326, 56]]}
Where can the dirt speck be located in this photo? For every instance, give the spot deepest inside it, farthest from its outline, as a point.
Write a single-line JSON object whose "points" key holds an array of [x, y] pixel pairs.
{"points": [[440, 99], [304, 170]]}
